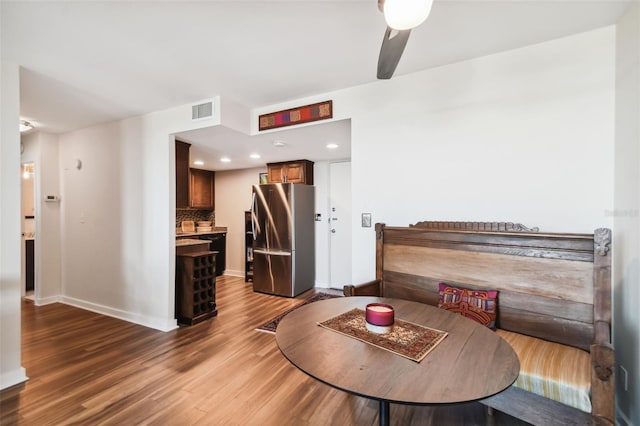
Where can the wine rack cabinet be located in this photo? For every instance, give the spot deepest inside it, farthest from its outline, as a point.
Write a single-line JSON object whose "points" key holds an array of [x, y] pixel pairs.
{"points": [[195, 287]]}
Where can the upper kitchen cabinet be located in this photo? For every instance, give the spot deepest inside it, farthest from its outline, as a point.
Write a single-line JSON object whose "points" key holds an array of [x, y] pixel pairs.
{"points": [[202, 189], [194, 187], [182, 175], [300, 171]]}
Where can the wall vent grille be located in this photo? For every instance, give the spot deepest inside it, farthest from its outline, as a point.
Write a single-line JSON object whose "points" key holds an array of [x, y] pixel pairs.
{"points": [[204, 110]]}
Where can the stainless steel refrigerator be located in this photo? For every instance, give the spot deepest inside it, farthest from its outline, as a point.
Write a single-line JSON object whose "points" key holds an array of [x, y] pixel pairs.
{"points": [[282, 220]]}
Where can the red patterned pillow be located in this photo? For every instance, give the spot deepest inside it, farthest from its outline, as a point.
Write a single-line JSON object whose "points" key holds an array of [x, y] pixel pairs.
{"points": [[478, 305]]}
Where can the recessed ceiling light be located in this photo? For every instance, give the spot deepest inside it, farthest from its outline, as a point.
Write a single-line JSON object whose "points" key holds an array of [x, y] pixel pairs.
{"points": [[225, 159], [255, 156], [332, 145], [278, 143], [199, 163]]}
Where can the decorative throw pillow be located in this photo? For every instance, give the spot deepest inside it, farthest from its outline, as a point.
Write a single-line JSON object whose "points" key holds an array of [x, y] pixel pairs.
{"points": [[478, 305]]}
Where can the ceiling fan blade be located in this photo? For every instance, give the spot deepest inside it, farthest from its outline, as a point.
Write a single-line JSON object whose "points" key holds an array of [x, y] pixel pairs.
{"points": [[393, 45]]}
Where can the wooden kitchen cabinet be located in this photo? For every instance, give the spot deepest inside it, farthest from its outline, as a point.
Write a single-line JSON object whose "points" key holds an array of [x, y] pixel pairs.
{"points": [[300, 171], [182, 175], [194, 187], [202, 189]]}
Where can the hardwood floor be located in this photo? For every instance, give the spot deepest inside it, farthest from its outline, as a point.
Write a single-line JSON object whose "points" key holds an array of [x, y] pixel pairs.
{"points": [[86, 368]]}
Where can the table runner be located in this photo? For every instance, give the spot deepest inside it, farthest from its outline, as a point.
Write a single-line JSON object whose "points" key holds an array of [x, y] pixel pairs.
{"points": [[407, 339]]}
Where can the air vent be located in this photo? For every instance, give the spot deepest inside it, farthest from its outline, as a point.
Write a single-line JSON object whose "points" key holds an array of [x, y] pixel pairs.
{"points": [[200, 111]]}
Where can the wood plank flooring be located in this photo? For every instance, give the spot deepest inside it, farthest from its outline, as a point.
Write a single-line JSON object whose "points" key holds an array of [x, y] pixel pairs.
{"points": [[90, 369]]}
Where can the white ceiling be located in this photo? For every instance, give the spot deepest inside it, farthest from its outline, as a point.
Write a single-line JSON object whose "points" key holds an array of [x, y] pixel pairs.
{"points": [[308, 142], [89, 62]]}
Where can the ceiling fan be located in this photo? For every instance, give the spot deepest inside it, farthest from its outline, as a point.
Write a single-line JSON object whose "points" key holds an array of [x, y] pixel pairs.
{"points": [[401, 16]]}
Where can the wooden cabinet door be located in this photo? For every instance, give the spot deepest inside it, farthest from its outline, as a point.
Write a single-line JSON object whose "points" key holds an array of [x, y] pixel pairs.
{"points": [[275, 173], [182, 174], [202, 189], [295, 173]]}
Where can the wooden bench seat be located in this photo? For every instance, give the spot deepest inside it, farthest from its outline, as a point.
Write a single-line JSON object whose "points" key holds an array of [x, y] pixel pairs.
{"points": [[552, 286]]}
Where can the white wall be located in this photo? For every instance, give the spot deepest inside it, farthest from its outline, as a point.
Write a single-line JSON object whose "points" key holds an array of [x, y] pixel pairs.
{"points": [[233, 198], [48, 237], [11, 371], [523, 136], [626, 237], [118, 215]]}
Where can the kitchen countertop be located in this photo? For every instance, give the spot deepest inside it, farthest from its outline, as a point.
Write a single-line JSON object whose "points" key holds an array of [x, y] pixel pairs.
{"points": [[216, 230], [189, 242]]}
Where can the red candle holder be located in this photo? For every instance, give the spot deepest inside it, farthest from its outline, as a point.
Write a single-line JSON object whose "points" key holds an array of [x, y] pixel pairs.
{"points": [[379, 317]]}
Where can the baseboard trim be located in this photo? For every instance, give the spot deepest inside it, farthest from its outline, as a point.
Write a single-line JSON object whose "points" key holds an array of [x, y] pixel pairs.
{"points": [[12, 378], [41, 301], [320, 286], [155, 323], [233, 273]]}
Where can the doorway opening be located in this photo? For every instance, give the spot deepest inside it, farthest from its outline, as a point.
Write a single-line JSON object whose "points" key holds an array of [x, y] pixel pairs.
{"points": [[28, 228]]}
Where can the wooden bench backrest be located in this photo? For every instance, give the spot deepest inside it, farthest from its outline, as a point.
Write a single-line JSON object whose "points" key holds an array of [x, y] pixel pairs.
{"points": [[547, 282]]}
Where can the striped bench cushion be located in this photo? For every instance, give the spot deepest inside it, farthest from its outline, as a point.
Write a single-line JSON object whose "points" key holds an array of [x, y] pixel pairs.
{"points": [[558, 372]]}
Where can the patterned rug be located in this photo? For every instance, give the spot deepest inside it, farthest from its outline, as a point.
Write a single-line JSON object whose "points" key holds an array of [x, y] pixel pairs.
{"points": [[271, 325], [407, 339]]}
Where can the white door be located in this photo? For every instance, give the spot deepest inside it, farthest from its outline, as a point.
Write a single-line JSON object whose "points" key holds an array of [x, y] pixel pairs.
{"points": [[339, 224]]}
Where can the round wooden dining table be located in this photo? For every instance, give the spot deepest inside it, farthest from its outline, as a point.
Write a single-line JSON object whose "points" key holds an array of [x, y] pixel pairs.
{"points": [[471, 363]]}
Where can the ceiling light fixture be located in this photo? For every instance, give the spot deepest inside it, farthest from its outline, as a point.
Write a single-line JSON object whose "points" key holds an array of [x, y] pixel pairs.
{"points": [[27, 170], [406, 14], [332, 145], [278, 143], [225, 159], [254, 156], [198, 163], [25, 126]]}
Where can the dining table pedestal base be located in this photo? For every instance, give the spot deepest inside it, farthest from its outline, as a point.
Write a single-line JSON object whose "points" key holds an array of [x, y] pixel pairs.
{"points": [[384, 413]]}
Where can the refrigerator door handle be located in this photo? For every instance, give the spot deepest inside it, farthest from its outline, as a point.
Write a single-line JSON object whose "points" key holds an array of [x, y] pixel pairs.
{"points": [[272, 252], [253, 224]]}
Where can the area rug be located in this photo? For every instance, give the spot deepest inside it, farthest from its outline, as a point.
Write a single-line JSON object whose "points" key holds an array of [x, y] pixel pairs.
{"points": [[407, 339], [271, 325]]}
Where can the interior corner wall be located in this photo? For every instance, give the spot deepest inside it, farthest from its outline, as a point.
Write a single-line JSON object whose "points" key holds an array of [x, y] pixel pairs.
{"points": [[11, 370], [626, 235], [233, 198]]}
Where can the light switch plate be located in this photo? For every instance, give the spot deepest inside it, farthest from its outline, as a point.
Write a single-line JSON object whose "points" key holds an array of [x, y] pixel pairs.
{"points": [[366, 220]]}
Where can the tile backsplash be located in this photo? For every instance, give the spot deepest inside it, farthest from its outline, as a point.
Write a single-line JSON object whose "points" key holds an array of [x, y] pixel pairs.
{"points": [[195, 215]]}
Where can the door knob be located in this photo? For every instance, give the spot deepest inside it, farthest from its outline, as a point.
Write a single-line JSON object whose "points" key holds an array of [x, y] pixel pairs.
{"points": [[333, 231]]}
